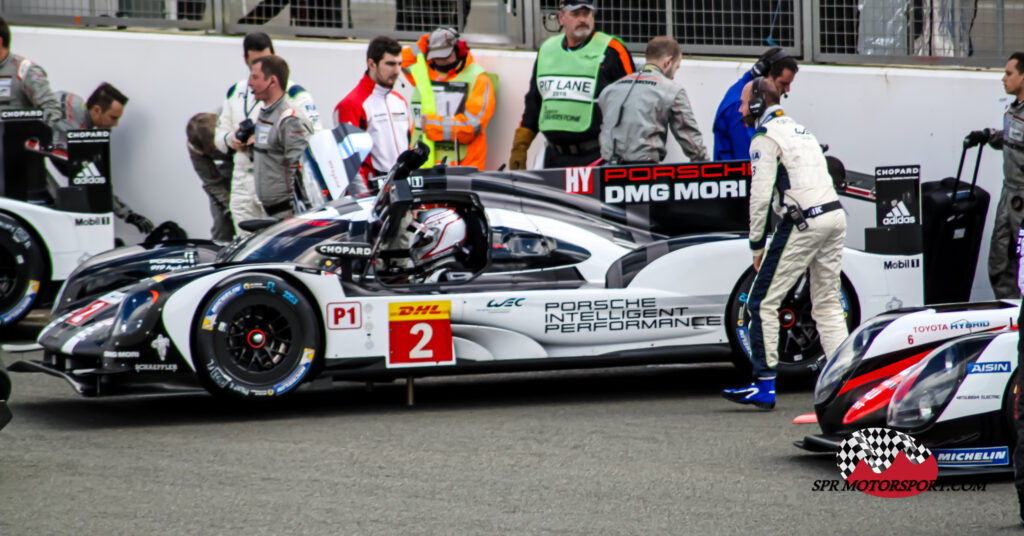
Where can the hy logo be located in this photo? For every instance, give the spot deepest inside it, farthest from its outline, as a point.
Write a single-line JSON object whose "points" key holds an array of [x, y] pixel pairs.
{"points": [[898, 215], [579, 180], [881, 462], [89, 174]]}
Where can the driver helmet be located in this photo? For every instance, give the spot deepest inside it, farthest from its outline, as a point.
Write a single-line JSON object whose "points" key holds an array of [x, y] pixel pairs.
{"points": [[438, 233]]}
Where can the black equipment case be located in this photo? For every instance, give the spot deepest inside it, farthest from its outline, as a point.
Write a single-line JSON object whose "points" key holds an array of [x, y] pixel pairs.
{"points": [[953, 224]]}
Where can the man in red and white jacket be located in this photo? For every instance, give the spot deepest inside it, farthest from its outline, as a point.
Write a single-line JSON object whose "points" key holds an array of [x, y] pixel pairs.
{"points": [[374, 107]]}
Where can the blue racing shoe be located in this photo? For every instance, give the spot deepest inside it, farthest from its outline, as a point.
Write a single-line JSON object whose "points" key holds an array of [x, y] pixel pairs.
{"points": [[760, 393]]}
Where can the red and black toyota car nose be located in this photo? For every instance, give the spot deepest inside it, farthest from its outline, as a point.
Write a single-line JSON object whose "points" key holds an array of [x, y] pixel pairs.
{"points": [[920, 370]]}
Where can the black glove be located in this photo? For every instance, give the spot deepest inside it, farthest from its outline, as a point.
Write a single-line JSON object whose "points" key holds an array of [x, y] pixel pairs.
{"points": [[140, 222], [977, 137]]}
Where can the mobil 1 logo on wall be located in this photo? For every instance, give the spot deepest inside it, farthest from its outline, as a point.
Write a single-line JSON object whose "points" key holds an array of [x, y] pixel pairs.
{"points": [[898, 195]]}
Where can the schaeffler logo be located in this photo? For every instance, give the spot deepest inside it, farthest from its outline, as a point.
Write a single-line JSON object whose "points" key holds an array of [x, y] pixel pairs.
{"points": [[886, 463]]}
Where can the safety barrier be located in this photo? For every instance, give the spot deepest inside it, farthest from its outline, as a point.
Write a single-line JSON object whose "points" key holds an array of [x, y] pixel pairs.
{"points": [[946, 32]]}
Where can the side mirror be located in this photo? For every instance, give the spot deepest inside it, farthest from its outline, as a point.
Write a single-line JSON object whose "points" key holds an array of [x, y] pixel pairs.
{"points": [[529, 246], [257, 225]]}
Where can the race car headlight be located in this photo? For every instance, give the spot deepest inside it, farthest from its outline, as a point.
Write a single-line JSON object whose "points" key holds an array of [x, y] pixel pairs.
{"points": [[131, 317], [847, 355], [929, 385]]}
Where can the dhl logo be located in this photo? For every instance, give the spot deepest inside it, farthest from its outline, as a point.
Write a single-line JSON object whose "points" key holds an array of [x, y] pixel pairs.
{"points": [[420, 310]]}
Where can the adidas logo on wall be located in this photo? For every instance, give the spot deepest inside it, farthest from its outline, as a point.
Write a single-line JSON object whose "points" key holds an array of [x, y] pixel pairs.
{"points": [[899, 215], [90, 174]]}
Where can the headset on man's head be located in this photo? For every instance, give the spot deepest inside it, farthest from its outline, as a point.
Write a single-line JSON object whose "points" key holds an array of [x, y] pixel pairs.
{"points": [[763, 66], [756, 105]]}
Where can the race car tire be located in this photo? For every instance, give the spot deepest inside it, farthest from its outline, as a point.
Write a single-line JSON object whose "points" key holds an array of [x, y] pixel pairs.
{"points": [[23, 270], [256, 336], [800, 352]]}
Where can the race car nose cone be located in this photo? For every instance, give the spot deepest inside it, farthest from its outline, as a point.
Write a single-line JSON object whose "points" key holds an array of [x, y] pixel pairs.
{"points": [[787, 318], [256, 338]]}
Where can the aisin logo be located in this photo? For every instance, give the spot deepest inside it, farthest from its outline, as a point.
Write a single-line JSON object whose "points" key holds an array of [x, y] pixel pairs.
{"points": [[886, 463]]}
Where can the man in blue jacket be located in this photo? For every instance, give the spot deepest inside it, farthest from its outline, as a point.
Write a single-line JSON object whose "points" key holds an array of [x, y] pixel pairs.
{"points": [[732, 137]]}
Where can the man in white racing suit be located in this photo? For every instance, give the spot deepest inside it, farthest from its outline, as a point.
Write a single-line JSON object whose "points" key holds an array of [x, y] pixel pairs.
{"points": [[789, 175], [241, 105]]}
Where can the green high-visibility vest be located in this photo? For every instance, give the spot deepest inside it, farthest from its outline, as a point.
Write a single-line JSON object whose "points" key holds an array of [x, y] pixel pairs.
{"points": [[459, 87], [567, 80]]}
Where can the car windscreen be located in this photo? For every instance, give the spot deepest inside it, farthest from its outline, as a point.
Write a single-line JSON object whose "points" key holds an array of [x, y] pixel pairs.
{"points": [[294, 240]]}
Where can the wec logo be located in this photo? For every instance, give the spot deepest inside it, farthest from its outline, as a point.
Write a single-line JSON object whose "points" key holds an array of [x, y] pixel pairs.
{"points": [[511, 302]]}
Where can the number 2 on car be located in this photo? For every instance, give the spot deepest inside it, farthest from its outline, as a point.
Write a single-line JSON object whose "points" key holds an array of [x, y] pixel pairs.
{"points": [[420, 334]]}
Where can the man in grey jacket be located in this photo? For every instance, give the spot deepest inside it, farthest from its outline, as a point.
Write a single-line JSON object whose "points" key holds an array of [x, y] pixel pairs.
{"points": [[282, 134], [640, 108], [1002, 265], [103, 109], [23, 84]]}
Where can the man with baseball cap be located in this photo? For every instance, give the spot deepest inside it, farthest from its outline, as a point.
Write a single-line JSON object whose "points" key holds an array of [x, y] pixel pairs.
{"points": [[463, 95], [569, 74]]}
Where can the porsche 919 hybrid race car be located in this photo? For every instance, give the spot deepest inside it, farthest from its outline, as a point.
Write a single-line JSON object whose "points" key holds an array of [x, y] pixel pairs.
{"points": [[534, 278], [942, 374]]}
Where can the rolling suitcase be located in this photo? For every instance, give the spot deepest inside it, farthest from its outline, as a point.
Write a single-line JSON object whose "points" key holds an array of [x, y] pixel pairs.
{"points": [[953, 222]]}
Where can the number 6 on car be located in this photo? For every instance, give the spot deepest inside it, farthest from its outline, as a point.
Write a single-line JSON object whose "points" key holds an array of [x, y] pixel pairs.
{"points": [[420, 334]]}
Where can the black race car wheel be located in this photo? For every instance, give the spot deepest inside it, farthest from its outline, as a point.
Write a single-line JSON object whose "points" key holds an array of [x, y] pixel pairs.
{"points": [[800, 351], [23, 271], [255, 336]]}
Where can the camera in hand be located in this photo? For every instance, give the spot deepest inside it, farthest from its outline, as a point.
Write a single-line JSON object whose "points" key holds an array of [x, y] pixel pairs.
{"points": [[245, 130]]}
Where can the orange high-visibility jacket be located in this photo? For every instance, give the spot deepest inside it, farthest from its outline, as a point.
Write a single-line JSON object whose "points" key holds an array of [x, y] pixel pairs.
{"points": [[458, 123]]}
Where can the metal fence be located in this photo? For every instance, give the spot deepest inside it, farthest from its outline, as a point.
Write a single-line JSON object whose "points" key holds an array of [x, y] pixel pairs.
{"points": [[959, 32]]}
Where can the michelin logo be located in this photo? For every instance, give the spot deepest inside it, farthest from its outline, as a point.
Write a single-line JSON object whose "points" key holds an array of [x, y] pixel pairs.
{"points": [[972, 457], [90, 174], [899, 215]]}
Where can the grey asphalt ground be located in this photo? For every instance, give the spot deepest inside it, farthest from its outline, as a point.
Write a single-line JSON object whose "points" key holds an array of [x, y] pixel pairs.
{"points": [[650, 450]]}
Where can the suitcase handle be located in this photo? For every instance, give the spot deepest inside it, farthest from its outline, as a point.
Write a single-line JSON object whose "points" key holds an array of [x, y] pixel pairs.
{"points": [[960, 169]]}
